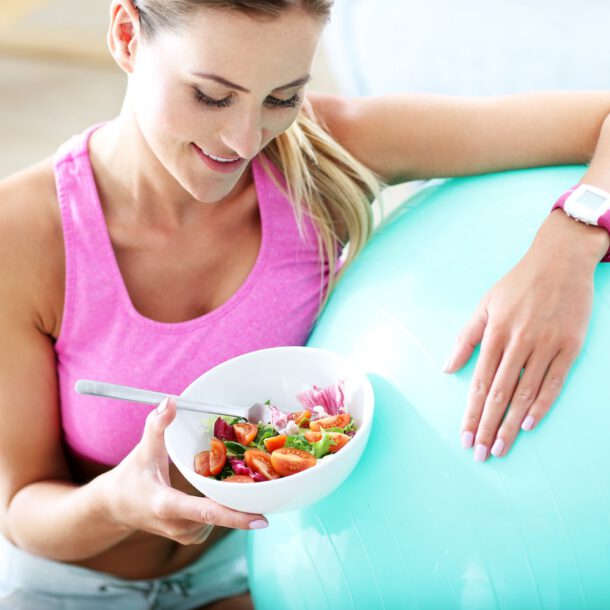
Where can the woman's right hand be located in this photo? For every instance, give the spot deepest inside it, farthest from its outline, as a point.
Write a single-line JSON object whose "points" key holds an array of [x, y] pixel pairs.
{"points": [[139, 495]]}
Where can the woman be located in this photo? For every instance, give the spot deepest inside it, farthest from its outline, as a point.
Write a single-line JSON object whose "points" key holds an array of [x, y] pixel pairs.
{"points": [[166, 243]]}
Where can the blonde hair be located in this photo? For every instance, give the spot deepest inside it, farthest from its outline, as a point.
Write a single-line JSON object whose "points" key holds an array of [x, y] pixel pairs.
{"points": [[323, 180]]}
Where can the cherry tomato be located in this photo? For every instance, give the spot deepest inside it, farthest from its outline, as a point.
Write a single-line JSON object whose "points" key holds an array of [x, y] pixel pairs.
{"points": [[218, 456], [339, 439], [245, 433], [302, 418], [335, 421], [202, 463], [275, 442], [260, 462], [288, 460], [239, 478]]}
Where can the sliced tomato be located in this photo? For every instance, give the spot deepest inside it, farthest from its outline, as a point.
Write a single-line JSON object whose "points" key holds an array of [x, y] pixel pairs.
{"points": [[202, 463], [275, 442], [245, 433], [239, 478], [339, 439], [334, 421], [260, 462], [288, 460], [313, 437], [302, 418], [218, 456]]}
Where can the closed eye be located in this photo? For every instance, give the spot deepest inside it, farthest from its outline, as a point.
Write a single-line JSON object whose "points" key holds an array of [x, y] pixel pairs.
{"points": [[293, 102], [271, 101]]}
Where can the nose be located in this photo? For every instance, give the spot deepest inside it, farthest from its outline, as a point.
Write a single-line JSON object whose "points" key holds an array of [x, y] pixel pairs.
{"points": [[244, 133]]}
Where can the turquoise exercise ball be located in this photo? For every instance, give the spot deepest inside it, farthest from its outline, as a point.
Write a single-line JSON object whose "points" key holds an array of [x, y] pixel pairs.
{"points": [[419, 524]]}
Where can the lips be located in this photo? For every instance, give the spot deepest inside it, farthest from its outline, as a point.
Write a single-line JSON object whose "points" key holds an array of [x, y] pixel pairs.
{"points": [[223, 165], [221, 159]]}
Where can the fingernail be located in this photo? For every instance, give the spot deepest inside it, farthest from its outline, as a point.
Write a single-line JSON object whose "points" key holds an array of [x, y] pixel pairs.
{"points": [[528, 423], [480, 453], [498, 448], [467, 439], [448, 364], [258, 525], [162, 406]]}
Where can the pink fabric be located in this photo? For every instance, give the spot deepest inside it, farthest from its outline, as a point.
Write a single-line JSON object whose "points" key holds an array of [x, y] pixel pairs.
{"points": [[103, 337]]}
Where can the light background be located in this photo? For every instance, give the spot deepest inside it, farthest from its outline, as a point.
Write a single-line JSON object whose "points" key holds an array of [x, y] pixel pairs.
{"points": [[57, 76]]}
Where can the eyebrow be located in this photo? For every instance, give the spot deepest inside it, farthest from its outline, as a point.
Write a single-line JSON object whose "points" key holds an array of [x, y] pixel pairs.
{"points": [[223, 81]]}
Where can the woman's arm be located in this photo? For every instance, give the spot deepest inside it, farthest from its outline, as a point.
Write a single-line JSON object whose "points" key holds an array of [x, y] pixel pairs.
{"points": [[418, 136], [516, 333], [421, 136], [41, 510]]}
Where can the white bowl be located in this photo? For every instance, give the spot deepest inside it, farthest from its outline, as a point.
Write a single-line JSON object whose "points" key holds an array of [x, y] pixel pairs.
{"points": [[278, 374]]}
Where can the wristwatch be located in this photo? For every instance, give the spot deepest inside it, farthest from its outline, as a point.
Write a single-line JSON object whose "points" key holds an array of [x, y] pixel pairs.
{"points": [[587, 204]]}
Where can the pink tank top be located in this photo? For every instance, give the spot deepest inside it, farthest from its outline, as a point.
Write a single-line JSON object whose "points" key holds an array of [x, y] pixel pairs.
{"points": [[103, 337]]}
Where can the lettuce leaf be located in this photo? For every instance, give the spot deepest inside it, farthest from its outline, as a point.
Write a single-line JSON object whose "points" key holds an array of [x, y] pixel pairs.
{"points": [[318, 449], [227, 471], [264, 431], [235, 449], [299, 442], [322, 447]]}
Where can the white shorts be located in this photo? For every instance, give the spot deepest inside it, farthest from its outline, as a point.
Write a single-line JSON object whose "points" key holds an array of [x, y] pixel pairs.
{"points": [[28, 582]]}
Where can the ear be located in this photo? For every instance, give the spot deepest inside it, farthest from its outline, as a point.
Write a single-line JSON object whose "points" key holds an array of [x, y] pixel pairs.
{"points": [[124, 33]]}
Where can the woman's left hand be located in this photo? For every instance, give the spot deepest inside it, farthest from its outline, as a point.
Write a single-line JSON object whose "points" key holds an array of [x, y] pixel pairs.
{"points": [[531, 326]]}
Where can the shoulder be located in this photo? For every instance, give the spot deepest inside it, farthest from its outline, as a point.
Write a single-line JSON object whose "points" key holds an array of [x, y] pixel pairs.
{"points": [[357, 124], [335, 113], [31, 244]]}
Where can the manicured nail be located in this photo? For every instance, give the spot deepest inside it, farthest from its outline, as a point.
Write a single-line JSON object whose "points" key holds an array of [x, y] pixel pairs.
{"points": [[498, 448], [528, 423], [162, 406], [467, 439], [480, 453], [448, 364], [258, 525]]}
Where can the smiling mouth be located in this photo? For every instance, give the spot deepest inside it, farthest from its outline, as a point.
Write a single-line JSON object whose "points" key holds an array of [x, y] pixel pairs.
{"points": [[221, 159]]}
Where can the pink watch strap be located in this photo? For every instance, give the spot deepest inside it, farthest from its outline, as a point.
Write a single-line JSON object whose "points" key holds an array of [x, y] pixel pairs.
{"points": [[604, 221], [561, 201]]}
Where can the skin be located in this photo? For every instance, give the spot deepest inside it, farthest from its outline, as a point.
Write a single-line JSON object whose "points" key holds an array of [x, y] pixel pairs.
{"points": [[140, 519], [423, 136]]}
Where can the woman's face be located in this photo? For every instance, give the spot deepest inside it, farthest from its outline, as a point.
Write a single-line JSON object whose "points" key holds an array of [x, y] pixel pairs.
{"points": [[209, 98]]}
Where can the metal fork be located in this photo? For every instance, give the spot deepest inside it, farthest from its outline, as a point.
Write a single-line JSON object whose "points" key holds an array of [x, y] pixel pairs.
{"points": [[254, 413]]}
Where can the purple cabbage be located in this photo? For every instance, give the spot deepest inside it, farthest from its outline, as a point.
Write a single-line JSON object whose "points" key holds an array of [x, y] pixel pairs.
{"points": [[332, 398], [279, 419], [239, 467], [224, 431]]}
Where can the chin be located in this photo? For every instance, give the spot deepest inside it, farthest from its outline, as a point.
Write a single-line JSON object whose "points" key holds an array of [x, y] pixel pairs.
{"points": [[213, 190], [210, 195]]}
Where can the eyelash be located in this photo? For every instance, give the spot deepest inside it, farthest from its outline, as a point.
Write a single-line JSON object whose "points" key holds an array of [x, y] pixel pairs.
{"points": [[293, 102]]}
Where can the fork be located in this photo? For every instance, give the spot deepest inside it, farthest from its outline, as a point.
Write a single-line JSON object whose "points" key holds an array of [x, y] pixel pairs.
{"points": [[254, 413]]}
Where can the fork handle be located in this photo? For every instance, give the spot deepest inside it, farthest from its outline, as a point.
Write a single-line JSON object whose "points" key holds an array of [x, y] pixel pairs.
{"points": [[123, 392]]}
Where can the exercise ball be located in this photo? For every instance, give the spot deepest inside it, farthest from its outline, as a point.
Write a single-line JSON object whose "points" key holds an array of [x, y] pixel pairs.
{"points": [[419, 523]]}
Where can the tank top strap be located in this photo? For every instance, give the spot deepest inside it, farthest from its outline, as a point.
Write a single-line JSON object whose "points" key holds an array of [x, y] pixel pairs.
{"points": [[280, 211], [87, 263]]}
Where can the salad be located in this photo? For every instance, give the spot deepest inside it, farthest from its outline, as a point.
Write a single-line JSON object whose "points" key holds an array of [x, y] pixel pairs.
{"points": [[242, 452]]}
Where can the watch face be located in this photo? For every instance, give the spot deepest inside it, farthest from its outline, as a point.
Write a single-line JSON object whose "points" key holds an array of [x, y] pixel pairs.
{"points": [[590, 200]]}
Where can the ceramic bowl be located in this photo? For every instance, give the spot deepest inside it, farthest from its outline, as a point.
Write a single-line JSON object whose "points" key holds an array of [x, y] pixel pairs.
{"points": [[277, 374]]}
